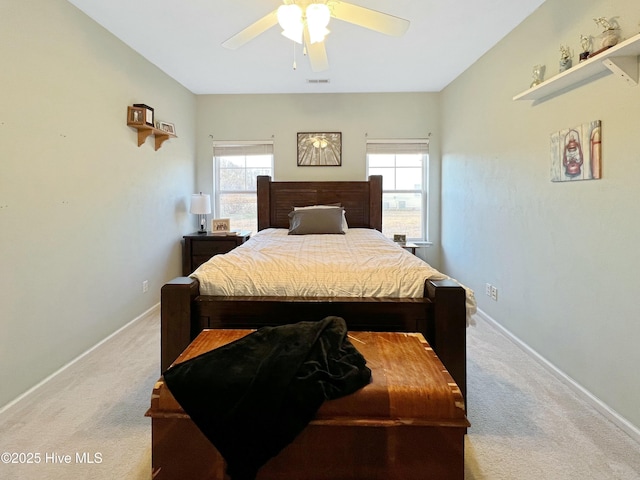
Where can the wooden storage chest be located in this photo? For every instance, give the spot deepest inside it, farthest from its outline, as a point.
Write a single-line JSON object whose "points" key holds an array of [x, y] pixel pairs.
{"points": [[409, 423]]}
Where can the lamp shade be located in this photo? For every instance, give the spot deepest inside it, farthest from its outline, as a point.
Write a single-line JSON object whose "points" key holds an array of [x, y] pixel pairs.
{"points": [[200, 204]]}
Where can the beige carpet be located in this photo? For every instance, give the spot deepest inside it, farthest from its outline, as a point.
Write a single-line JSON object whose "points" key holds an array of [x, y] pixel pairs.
{"points": [[528, 425], [96, 406], [525, 423]]}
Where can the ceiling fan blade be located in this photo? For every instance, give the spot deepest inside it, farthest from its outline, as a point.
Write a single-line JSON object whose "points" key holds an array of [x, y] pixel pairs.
{"points": [[252, 31], [317, 54], [367, 18]]}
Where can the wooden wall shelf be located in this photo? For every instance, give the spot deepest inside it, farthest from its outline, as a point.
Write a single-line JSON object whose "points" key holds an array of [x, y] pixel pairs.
{"points": [[621, 59], [144, 131]]}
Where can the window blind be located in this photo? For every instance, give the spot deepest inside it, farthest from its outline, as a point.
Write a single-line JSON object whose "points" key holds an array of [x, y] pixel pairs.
{"points": [[404, 147], [242, 149]]}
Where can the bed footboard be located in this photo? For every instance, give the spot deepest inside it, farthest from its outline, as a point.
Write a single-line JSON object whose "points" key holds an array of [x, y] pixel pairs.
{"points": [[440, 316], [176, 303], [449, 335]]}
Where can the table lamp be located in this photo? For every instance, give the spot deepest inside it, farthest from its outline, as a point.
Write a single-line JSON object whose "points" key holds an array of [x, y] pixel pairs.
{"points": [[201, 206]]}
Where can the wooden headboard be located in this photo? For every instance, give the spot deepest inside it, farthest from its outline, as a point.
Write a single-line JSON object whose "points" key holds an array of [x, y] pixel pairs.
{"points": [[362, 201]]}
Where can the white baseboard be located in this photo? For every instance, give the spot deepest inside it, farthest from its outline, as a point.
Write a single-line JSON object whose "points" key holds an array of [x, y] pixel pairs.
{"points": [[6, 407], [621, 422]]}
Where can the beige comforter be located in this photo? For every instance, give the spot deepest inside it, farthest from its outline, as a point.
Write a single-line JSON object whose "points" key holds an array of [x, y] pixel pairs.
{"points": [[361, 263]]}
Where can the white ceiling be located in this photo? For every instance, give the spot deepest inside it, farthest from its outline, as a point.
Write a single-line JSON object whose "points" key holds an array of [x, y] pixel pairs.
{"points": [[183, 38]]}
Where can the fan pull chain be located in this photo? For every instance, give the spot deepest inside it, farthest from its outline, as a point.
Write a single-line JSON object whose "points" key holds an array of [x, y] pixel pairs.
{"points": [[295, 65]]}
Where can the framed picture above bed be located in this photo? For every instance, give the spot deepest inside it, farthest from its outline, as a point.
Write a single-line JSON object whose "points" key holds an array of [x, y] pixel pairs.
{"points": [[319, 149]]}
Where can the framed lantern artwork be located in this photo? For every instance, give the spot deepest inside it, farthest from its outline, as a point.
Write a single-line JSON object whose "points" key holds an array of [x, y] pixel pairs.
{"points": [[576, 153]]}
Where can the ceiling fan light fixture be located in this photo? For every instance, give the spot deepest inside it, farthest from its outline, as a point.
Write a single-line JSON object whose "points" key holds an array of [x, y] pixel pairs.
{"points": [[306, 21], [290, 19], [293, 34], [316, 36], [318, 16]]}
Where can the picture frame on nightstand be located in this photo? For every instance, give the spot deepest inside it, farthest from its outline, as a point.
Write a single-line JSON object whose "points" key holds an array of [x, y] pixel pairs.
{"points": [[399, 238], [220, 226]]}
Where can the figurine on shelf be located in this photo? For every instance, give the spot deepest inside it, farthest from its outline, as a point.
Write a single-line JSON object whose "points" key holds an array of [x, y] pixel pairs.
{"points": [[587, 44], [611, 33], [565, 58], [538, 75]]}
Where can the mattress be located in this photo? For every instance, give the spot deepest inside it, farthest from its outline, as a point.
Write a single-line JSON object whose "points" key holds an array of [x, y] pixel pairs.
{"points": [[360, 263]]}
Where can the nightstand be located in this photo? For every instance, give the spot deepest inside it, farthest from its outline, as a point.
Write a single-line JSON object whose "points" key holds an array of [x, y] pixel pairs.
{"points": [[200, 247], [409, 246]]}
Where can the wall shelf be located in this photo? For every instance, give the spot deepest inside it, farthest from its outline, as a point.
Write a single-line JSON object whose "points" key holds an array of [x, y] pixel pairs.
{"points": [[144, 131], [135, 119], [621, 59]]}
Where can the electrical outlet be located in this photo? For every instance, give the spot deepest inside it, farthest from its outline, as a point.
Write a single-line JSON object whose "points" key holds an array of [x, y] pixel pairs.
{"points": [[494, 293], [487, 289], [145, 286]]}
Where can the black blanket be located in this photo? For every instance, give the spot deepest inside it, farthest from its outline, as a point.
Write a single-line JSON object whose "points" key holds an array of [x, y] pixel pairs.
{"points": [[253, 396]]}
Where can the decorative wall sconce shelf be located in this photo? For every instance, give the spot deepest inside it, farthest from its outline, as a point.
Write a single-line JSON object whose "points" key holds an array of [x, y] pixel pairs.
{"points": [[621, 60]]}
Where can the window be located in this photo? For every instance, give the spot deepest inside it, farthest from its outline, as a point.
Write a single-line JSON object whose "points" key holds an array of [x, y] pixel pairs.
{"points": [[235, 169], [403, 166]]}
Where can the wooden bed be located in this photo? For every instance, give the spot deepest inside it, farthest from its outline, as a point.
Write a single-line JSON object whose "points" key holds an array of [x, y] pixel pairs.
{"points": [[440, 315]]}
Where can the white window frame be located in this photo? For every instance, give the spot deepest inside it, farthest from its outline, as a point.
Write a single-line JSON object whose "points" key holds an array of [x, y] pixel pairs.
{"points": [[397, 146], [236, 148]]}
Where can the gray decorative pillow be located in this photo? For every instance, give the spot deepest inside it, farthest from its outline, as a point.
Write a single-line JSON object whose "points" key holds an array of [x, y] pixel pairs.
{"points": [[345, 225], [316, 221]]}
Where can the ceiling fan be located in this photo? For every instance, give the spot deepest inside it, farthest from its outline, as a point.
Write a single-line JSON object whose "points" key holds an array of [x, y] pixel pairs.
{"points": [[306, 21]]}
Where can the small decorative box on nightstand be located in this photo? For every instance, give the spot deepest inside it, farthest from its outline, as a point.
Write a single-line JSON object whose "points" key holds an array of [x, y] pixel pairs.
{"points": [[198, 248]]}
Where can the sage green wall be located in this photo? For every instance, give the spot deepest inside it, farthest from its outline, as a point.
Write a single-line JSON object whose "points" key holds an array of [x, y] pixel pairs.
{"points": [[564, 256], [85, 215], [357, 116]]}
